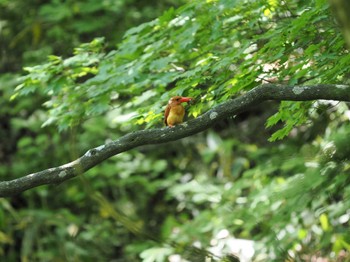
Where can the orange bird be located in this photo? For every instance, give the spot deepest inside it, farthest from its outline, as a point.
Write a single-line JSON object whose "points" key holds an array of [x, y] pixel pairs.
{"points": [[175, 112]]}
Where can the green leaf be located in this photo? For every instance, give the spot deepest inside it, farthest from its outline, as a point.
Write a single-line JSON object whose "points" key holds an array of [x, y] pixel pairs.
{"points": [[324, 222], [156, 254]]}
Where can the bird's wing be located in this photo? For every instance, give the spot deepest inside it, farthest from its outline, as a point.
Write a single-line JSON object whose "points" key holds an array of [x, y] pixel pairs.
{"points": [[166, 114]]}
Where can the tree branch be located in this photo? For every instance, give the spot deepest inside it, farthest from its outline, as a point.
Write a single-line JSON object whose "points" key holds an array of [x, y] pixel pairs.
{"points": [[161, 135]]}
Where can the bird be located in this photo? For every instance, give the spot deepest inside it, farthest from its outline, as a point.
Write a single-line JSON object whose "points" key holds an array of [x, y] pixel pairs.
{"points": [[175, 112]]}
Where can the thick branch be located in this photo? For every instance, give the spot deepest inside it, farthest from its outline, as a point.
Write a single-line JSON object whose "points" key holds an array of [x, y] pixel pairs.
{"points": [[161, 135]]}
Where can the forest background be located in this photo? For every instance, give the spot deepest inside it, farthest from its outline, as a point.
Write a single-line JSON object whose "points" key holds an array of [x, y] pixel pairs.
{"points": [[272, 180]]}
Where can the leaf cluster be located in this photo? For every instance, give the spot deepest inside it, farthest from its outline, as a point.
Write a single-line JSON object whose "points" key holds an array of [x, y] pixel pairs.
{"points": [[192, 199], [211, 50]]}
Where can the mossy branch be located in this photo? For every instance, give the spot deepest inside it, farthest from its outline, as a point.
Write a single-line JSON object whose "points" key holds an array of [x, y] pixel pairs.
{"points": [[132, 140]]}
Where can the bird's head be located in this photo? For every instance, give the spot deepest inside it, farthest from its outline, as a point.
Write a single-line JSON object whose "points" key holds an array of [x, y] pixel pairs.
{"points": [[177, 100]]}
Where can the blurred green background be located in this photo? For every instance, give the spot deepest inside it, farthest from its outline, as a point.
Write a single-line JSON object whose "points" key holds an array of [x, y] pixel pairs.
{"points": [[185, 200]]}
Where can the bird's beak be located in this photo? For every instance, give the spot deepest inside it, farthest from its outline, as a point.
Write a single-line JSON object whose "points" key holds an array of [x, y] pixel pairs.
{"points": [[186, 99]]}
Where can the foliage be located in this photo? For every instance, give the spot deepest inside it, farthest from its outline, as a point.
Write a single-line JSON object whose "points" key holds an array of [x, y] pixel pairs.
{"points": [[249, 43], [185, 200], [32, 30]]}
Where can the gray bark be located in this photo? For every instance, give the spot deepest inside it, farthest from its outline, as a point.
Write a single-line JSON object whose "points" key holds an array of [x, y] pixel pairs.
{"points": [[132, 140]]}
